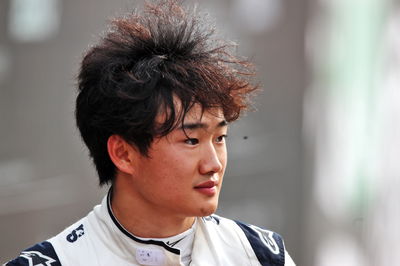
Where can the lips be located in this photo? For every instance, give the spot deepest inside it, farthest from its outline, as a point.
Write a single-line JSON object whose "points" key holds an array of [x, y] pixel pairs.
{"points": [[207, 184], [207, 188]]}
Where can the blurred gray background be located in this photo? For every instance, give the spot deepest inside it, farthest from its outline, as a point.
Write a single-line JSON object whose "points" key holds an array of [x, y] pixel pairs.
{"points": [[46, 178]]}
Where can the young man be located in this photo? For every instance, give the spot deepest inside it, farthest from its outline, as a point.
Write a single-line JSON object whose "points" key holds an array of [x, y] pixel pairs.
{"points": [[155, 99]]}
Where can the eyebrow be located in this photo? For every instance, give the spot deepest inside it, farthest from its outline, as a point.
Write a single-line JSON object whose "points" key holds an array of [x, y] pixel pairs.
{"points": [[193, 126]]}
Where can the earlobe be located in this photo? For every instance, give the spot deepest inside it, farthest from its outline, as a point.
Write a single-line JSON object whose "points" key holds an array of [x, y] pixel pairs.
{"points": [[121, 154]]}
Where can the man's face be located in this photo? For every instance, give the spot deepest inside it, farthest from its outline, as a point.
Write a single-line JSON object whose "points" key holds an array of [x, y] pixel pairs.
{"points": [[182, 176]]}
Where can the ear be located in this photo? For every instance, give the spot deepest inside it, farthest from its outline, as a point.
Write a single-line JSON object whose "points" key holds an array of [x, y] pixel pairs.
{"points": [[122, 154]]}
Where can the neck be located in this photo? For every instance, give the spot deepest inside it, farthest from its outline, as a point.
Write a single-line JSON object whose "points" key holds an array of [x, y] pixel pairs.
{"points": [[140, 220]]}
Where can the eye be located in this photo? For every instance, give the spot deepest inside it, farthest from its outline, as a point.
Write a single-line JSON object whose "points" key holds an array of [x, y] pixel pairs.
{"points": [[221, 139], [192, 141]]}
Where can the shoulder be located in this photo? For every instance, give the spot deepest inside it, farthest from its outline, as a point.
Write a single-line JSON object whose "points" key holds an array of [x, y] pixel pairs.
{"points": [[40, 254], [52, 251], [267, 245], [73, 243], [72, 233], [261, 238]]}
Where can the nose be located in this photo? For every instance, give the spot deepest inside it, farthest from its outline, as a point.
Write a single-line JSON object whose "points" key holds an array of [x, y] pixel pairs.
{"points": [[213, 160]]}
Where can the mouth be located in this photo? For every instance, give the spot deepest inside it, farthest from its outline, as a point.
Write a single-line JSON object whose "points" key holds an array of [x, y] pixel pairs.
{"points": [[207, 188]]}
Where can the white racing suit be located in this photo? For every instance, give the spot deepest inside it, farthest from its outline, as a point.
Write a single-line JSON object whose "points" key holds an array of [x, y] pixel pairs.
{"points": [[99, 239]]}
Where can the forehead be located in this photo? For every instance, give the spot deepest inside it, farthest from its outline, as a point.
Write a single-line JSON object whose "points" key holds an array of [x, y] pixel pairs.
{"points": [[198, 114], [195, 114]]}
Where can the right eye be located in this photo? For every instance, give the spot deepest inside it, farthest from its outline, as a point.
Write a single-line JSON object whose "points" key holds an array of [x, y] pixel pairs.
{"points": [[192, 141]]}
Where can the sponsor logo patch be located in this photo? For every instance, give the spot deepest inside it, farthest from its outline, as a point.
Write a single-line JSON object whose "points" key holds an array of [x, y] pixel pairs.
{"points": [[153, 257], [35, 258], [266, 238], [75, 234]]}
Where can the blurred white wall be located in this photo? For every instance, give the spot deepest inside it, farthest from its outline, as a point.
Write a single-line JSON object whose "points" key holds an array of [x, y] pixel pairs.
{"points": [[351, 133]]}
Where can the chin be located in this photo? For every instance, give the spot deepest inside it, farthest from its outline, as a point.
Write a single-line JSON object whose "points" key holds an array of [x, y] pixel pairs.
{"points": [[207, 210]]}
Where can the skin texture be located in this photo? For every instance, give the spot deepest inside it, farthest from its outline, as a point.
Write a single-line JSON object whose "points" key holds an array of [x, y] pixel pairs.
{"points": [[159, 195]]}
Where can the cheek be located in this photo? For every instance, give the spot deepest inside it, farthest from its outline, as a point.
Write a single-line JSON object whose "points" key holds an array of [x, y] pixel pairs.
{"points": [[173, 169], [179, 163], [224, 158], [169, 173]]}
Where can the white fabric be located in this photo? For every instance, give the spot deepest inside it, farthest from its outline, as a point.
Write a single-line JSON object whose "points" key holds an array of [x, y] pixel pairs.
{"points": [[100, 241], [182, 241]]}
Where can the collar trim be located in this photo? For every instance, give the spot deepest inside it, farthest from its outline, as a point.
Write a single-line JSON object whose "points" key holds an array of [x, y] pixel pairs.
{"points": [[128, 234]]}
